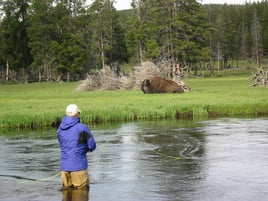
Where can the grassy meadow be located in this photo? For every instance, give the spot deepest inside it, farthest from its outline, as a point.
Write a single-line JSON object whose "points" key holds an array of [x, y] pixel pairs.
{"points": [[43, 104]]}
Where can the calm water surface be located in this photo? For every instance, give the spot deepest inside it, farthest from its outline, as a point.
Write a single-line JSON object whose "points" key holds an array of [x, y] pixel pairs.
{"points": [[213, 160]]}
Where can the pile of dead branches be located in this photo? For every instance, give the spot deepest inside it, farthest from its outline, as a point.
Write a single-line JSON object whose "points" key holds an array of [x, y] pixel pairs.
{"points": [[108, 79], [260, 78]]}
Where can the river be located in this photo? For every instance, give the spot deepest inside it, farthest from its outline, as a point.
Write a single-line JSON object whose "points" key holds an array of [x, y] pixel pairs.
{"points": [[194, 160]]}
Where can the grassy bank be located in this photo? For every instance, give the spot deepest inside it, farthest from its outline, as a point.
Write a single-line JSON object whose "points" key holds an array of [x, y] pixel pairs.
{"points": [[42, 104]]}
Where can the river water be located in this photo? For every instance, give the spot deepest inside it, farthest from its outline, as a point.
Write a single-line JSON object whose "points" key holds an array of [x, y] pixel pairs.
{"points": [[212, 160]]}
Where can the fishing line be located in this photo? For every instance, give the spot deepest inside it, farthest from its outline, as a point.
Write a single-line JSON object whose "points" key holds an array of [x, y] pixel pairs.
{"points": [[29, 180], [160, 153]]}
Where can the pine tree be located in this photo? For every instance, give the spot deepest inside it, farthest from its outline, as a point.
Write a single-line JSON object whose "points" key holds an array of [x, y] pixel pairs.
{"points": [[106, 33], [14, 37], [170, 29]]}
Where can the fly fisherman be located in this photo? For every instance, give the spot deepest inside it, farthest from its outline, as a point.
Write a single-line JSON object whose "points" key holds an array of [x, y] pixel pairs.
{"points": [[75, 141]]}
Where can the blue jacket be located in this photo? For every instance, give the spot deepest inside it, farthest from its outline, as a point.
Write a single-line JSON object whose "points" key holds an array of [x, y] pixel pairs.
{"points": [[75, 141]]}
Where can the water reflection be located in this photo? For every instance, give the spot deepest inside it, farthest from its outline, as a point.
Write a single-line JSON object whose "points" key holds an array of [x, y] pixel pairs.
{"points": [[222, 159], [75, 194]]}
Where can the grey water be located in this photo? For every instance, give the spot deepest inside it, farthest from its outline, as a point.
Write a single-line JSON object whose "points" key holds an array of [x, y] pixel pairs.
{"points": [[202, 160]]}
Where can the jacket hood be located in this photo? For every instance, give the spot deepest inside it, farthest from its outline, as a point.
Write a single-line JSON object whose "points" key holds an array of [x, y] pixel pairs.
{"points": [[68, 122]]}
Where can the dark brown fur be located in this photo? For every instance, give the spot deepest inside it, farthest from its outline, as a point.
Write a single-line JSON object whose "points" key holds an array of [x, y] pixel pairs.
{"points": [[160, 85]]}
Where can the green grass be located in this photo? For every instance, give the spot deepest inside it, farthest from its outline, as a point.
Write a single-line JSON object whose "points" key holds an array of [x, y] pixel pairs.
{"points": [[41, 104]]}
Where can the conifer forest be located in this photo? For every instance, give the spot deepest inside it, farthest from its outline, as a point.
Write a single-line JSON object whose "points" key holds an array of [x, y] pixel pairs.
{"points": [[64, 40]]}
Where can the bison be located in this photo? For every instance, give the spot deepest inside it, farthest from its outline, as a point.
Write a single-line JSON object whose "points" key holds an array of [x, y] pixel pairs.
{"points": [[162, 85]]}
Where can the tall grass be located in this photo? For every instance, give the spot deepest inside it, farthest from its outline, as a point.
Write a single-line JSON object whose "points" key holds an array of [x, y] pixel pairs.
{"points": [[43, 104]]}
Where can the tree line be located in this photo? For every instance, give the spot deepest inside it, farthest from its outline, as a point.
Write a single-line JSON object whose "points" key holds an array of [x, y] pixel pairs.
{"points": [[57, 40]]}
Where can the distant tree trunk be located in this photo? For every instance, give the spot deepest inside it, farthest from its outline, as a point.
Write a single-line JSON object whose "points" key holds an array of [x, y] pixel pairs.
{"points": [[219, 57], [102, 53], [243, 48], [68, 77], [24, 74], [7, 71], [138, 9], [256, 35], [39, 76]]}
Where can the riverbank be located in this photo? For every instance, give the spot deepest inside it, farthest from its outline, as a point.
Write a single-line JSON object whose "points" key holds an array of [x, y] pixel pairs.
{"points": [[43, 104]]}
